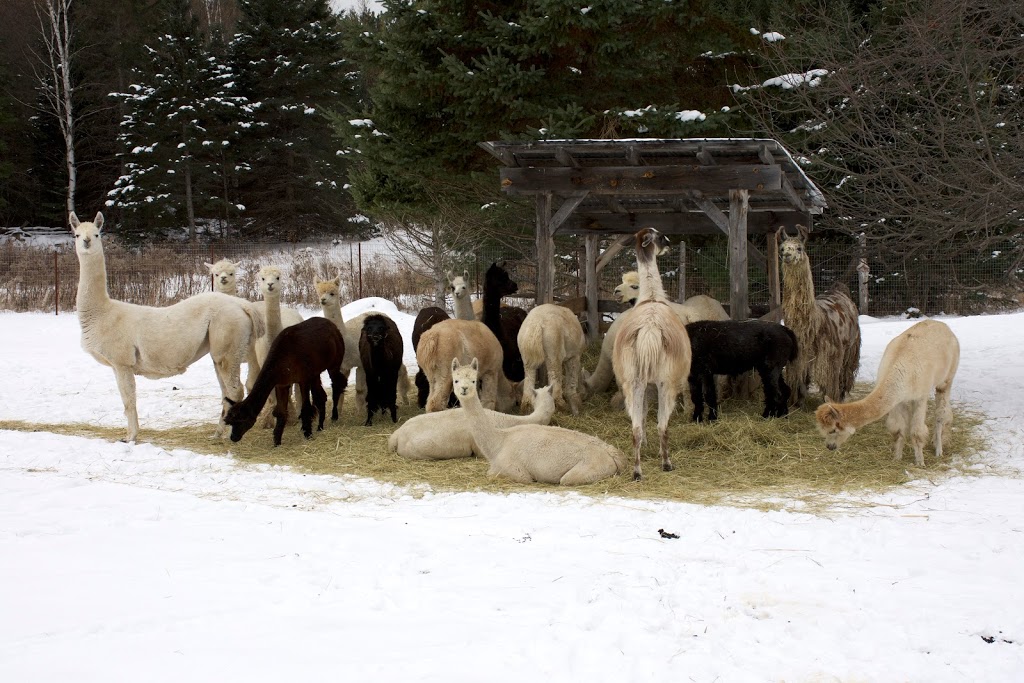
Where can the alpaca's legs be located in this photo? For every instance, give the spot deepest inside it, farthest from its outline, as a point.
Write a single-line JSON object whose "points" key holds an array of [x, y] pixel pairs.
{"points": [[422, 389], [529, 384], [666, 404], [307, 410], [126, 385], [897, 422], [510, 470], [710, 395], [489, 391], [403, 384], [319, 402], [587, 472], [556, 379], [773, 407], [252, 369], [440, 388], [338, 384], [635, 395], [918, 429], [697, 396], [572, 379], [280, 412], [228, 367], [360, 389], [943, 418]]}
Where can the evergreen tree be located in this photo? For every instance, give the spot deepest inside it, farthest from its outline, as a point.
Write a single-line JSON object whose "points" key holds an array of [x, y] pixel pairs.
{"points": [[289, 58]]}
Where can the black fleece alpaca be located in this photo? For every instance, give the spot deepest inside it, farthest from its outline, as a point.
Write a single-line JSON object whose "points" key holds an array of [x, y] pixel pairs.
{"points": [[298, 355], [425, 319], [380, 351], [505, 321], [731, 347]]}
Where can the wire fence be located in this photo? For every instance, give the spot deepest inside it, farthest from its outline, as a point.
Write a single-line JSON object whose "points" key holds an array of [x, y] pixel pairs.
{"points": [[45, 277]]}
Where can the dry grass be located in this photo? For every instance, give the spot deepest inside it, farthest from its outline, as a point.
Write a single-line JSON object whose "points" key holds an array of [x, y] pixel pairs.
{"points": [[741, 460]]}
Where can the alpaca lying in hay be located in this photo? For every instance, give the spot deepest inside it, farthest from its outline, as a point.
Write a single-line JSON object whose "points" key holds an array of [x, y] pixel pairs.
{"points": [[729, 347], [552, 337], [380, 352], [157, 342], [463, 339], [827, 326], [298, 356], [446, 434], [529, 453], [651, 348], [921, 360]]}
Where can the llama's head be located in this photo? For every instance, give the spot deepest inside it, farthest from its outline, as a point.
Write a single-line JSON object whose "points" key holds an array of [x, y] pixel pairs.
{"points": [[543, 401], [270, 281], [629, 289], [498, 280], [650, 244], [88, 236], [792, 247], [224, 272], [457, 284], [329, 292], [464, 378], [375, 329], [832, 425], [239, 419]]}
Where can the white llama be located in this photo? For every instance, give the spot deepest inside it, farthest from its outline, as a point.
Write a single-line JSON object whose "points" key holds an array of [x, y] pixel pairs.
{"points": [[922, 359], [158, 342], [278, 317], [552, 337], [651, 348], [529, 453], [446, 434], [459, 289], [225, 280]]}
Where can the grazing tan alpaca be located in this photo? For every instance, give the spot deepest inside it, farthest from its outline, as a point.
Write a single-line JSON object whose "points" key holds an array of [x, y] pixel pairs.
{"points": [[552, 337], [158, 342], [529, 453], [921, 360], [459, 289], [463, 339], [651, 347]]}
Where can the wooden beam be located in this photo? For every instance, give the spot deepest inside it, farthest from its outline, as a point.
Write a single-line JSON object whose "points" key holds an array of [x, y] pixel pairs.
{"points": [[565, 210], [566, 159], [774, 285], [794, 197], [633, 155], [738, 284], [705, 157], [613, 249], [583, 221], [545, 251], [722, 221], [591, 288], [643, 180]]}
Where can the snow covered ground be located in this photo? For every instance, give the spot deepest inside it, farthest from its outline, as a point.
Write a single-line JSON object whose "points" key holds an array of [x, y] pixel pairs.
{"points": [[134, 563]]}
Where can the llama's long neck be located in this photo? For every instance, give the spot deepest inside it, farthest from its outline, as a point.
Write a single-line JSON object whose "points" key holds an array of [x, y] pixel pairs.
{"points": [[872, 407], [486, 436], [231, 289], [272, 306], [798, 290], [265, 384], [464, 307], [492, 311], [651, 288], [333, 313], [92, 283]]}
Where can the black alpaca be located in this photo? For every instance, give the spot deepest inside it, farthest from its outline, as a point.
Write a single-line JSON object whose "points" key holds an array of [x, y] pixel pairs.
{"points": [[504, 321], [731, 347], [425, 319], [298, 355], [380, 351]]}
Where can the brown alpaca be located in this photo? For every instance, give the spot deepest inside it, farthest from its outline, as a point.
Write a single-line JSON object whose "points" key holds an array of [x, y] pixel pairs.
{"points": [[827, 327], [921, 360], [462, 339], [651, 347]]}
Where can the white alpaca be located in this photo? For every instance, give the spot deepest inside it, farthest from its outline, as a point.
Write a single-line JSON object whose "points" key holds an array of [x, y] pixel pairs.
{"points": [[459, 290], [529, 453], [157, 342], [651, 348], [552, 337], [278, 317], [921, 360], [446, 434], [329, 292], [225, 280]]}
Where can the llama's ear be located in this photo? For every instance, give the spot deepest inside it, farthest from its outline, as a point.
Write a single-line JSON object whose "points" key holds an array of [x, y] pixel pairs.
{"points": [[98, 221], [455, 364], [450, 276], [648, 238], [465, 275], [475, 365], [337, 280], [780, 234], [73, 220], [209, 266], [804, 232]]}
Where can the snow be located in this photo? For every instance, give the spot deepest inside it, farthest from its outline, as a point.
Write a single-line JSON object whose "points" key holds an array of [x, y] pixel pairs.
{"points": [[133, 562]]}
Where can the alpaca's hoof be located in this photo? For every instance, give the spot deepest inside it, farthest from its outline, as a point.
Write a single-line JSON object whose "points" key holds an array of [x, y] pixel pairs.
{"points": [[636, 476], [308, 435], [667, 467]]}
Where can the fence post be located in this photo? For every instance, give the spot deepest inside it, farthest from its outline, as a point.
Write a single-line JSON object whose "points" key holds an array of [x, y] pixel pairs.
{"points": [[360, 246], [56, 284], [682, 272], [863, 271]]}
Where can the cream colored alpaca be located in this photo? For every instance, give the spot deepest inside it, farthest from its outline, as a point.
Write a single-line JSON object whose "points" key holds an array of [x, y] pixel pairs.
{"points": [[277, 317], [921, 360], [462, 339], [651, 348], [529, 453], [329, 292], [225, 280], [459, 289], [446, 434], [552, 337], [157, 342]]}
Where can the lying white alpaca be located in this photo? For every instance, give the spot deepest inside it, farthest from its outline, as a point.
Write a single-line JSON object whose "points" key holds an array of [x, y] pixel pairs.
{"points": [[921, 360], [446, 434], [225, 280], [158, 342], [528, 453], [459, 289], [552, 337]]}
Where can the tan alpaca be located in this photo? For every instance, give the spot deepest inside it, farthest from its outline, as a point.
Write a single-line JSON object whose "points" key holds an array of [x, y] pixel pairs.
{"points": [[158, 342], [446, 434], [225, 280], [459, 289], [827, 327], [921, 360], [651, 348], [552, 337], [462, 339], [329, 292], [529, 453]]}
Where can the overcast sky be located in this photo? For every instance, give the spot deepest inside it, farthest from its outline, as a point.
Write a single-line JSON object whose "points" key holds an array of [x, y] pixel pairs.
{"points": [[341, 5]]}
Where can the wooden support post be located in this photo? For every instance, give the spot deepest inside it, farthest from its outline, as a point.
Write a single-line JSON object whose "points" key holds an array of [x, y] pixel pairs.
{"points": [[682, 273], [863, 274], [738, 286], [592, 290], [56, 284], [545, 251], [774, 284]]}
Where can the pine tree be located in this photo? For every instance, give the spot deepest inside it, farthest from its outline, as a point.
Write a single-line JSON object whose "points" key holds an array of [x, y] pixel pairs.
{"points": [[291, 67]]}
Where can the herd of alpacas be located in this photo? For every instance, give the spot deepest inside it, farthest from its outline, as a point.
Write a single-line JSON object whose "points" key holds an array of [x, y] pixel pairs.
{"points": [[478, 365]]}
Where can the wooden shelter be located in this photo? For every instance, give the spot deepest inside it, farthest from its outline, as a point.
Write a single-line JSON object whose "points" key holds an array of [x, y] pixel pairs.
{"points": [[734, 186]]}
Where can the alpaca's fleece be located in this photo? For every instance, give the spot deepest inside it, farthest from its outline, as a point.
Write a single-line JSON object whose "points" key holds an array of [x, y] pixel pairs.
{"points": [[552, 337], [446, 434], [458, 287], [380, 352], [827, 328], [462, 339], [921, 360], [529, 453], [224, 273], [157, 342]]}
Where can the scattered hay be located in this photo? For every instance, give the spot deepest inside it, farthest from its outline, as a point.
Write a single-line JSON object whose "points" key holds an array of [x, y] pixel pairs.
{"points": [[741, 460]]}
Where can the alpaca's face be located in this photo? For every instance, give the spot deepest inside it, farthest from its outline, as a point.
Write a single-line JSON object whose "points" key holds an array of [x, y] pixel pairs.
{"points": [[328, 293], [239, 421], [270, 281], [543, 400], [628, 290], [88, 236], [376, 330], [224, 275], [458, 288], [792, 250], [832, 427], [464, 379], [498, 280]]}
